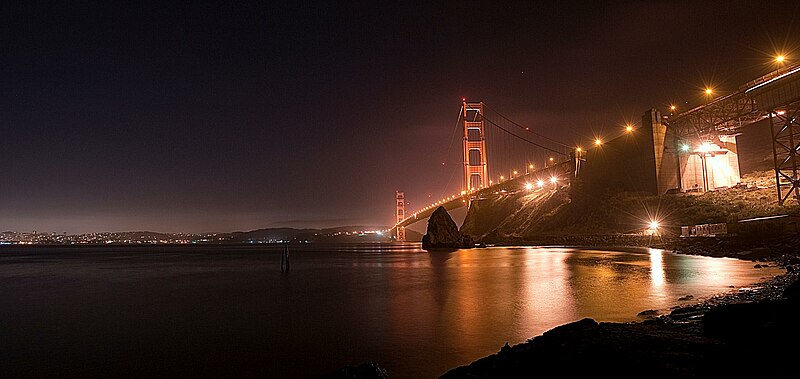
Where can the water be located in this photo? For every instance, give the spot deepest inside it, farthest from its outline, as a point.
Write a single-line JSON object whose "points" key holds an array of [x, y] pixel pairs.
{"points": [[230, 311]]}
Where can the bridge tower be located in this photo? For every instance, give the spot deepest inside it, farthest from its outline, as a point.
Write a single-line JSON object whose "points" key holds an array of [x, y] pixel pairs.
{"points": [[400, 196], [476, 174]]}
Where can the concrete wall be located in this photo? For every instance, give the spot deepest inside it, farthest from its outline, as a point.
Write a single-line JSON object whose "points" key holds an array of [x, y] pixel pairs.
{"points": [[754, 146], [641, 161]]}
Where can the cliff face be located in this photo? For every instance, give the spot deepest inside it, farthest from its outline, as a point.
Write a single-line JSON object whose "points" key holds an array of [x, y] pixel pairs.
{"points": [[517, 215], [528, 215]]}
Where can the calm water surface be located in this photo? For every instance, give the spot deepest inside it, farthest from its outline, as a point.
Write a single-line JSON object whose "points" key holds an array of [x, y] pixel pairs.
{"points": [[230, 311]]}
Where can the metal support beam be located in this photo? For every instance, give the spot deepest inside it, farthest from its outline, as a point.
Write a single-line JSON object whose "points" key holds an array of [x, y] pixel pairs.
{"points": [[785, 128]]}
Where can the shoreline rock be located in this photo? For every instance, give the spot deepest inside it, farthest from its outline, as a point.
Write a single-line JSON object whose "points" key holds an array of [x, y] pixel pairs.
{"points": [[698, 340], [702, 339], [442, 233]]}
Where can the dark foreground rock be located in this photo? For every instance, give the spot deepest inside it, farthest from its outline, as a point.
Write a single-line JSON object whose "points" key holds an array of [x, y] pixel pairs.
{"points": [[367, 370], [443, 233], [727, 338]]}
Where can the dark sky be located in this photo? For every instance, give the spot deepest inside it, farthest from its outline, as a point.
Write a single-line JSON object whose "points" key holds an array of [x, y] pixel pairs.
{"points": [[238, 116]]}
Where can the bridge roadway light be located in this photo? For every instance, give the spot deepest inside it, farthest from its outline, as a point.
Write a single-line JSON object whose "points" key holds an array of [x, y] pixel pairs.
{"points": [[528, 186], [780, 58], [553, 179], [629, 129], [653, 225], [540, 183], [598, 142], [709, 91]]}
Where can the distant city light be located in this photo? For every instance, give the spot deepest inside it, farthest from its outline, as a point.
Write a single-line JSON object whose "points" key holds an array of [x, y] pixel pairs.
{"points": [[672, 107], [530, 166], [515, 172], [578, 149], [502, 177], [551, 159]]}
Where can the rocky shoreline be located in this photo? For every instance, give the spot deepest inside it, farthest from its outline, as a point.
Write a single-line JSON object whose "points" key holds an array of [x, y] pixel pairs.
{"points": [[750, 331]]}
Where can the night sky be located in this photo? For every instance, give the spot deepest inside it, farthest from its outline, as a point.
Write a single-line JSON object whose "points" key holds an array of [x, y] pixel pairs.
{"points": [[234, 116]]}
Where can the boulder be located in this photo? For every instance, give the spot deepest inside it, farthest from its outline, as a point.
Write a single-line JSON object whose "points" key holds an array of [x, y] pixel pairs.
{"points": [[792, 292], [367, 370], [443, 233]]}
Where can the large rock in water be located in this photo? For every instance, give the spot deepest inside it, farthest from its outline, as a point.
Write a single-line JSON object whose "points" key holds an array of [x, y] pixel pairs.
{"points": [[443, 233]]}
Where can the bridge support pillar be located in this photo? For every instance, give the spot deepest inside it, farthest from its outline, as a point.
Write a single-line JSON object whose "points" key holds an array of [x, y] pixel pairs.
{"points": [[785, 128], [476, 174], [400, 215]]}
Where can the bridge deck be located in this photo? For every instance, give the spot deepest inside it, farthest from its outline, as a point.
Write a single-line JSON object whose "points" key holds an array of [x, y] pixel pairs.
{"points": [[562, 171]]}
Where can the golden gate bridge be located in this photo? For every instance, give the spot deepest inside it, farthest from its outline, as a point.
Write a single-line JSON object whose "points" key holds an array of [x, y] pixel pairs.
{"points": [[681, 150]]}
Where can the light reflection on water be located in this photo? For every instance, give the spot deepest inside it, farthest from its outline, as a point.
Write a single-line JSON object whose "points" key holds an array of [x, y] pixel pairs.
{"points": [[416, 313]]}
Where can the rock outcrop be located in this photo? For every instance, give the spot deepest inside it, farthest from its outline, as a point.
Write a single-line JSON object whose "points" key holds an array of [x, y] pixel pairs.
{"points": [[443, 233]]}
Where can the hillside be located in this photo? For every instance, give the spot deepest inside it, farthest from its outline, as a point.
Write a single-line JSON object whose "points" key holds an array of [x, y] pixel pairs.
{"points": [[570, 211]]}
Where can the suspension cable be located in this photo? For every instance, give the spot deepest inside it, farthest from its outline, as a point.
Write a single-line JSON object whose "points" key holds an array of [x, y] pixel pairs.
{"points": [[524, 139], [527, 129]]}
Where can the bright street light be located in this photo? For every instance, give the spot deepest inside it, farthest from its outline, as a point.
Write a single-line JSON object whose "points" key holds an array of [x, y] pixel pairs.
{"points": [[629, 129], [528, 186], [530, 166], [672, 107], [553, 179], [653, 225], [684, 148], [709, 91], [780, 58], [540, 183], [598, 142]]}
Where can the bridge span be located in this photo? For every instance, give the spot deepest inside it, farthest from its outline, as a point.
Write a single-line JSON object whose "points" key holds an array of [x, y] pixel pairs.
{"points": [[679, 152], [558, 175]]}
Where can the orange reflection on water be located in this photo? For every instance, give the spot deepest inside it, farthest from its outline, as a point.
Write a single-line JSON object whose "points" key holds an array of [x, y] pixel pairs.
{"points": [[547, 297], [656, 267]]}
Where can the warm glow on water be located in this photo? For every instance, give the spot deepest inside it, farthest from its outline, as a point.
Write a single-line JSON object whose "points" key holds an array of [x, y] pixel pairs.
{"points": [[230, 310]]}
